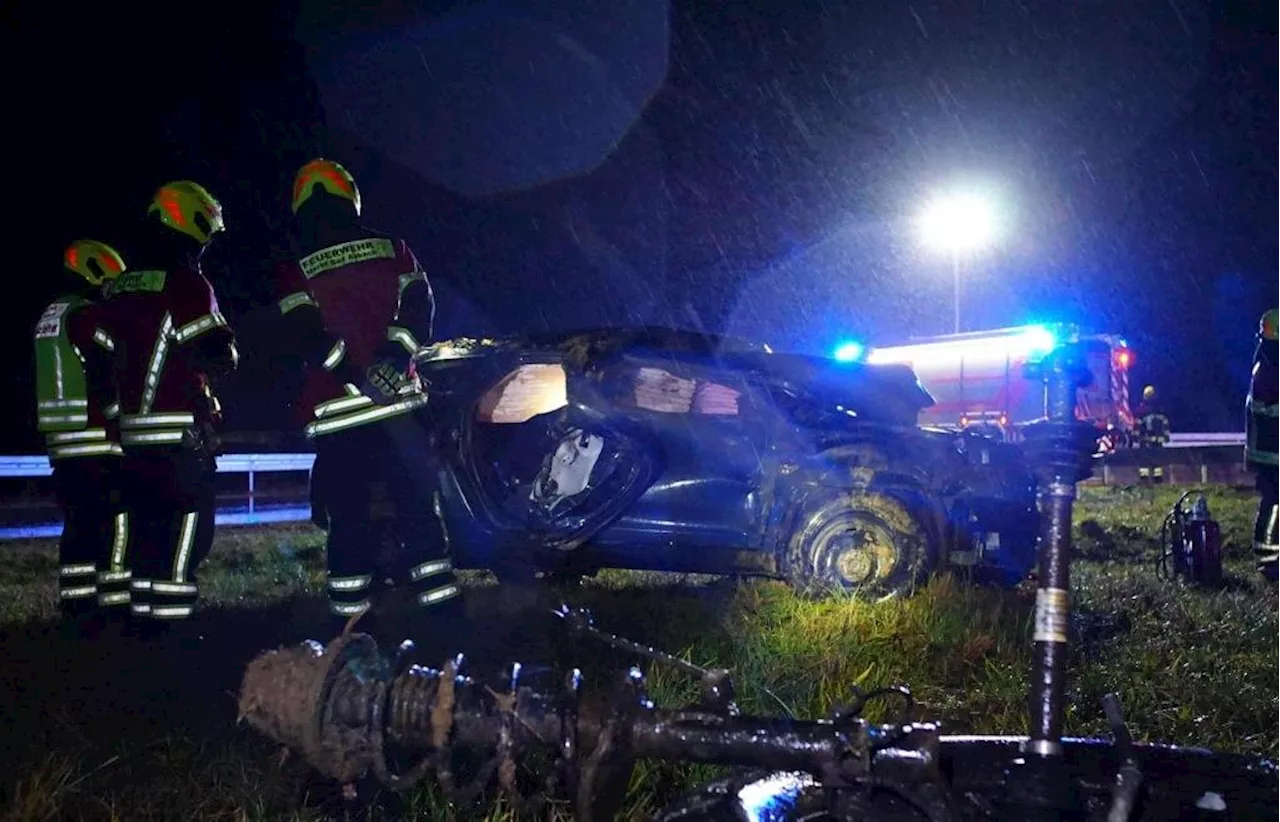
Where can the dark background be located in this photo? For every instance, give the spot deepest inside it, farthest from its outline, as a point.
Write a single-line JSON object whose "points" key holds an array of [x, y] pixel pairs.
{"points": [[745, 167]]}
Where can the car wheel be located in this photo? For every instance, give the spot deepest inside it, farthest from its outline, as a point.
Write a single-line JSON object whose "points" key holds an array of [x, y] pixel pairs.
{"points": [[878, 543]]}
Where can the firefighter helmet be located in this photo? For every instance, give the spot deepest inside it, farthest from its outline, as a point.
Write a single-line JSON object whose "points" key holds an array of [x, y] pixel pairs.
{"points": [[328, 175], [1148, 392], [93, 260], [188, 207], [1267, 325]]}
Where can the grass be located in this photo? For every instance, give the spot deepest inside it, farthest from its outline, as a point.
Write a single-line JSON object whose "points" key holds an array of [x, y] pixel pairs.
{"points": [[114, 731]]}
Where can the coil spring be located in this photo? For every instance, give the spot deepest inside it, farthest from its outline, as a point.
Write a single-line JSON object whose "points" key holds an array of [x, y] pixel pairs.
{"points": [[412, 696]]}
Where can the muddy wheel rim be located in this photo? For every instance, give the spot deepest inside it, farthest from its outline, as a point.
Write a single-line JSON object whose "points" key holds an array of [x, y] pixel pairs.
{"points": [[858, 550]]}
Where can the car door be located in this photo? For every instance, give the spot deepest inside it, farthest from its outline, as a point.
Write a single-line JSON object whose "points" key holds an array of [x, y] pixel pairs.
{"points": [[701, 421], [544, 458]]}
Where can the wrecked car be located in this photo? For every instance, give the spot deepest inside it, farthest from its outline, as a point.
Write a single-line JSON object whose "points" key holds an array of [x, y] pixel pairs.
{"points": [[656, 449]]}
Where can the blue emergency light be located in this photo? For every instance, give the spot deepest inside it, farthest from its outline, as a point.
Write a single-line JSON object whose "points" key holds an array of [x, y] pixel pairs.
{"points": [[848, 352]]}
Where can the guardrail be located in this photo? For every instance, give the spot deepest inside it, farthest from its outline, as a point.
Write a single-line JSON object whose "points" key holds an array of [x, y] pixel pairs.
{"points": [[38, 466], [30, 467], [1207, 440]]}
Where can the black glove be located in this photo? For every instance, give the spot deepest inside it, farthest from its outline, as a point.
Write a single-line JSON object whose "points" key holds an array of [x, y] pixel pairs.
{"points": [[383, 383]]}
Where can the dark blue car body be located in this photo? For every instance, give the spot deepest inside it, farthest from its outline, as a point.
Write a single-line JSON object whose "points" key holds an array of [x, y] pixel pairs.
{"points": [[675, 451]]}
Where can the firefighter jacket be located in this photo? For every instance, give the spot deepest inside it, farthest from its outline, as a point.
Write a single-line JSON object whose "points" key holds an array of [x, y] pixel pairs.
{"points": [[1263, 410], [346, 308], [1153, 426], [75, 399], [171, 340]]}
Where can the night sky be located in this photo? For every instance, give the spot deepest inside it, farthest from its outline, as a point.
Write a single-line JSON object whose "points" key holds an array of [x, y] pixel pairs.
{"points": [[745, 167]]}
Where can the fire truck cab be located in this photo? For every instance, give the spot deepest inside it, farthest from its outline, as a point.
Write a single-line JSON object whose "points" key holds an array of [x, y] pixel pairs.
{"points": [[977, 383]]}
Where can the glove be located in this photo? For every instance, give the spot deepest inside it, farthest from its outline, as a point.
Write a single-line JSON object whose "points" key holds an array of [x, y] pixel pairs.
{"points": [[383, 383]]}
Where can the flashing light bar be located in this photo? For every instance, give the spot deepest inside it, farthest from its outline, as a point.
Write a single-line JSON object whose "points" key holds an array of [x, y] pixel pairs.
{"points": [[1025, 341], [848, 352]]}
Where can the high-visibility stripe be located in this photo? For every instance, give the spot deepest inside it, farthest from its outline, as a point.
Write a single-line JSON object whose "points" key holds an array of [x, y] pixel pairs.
{"points": [[155, 366], [408, 278], [77, 570], [427, 569], [140, 585], [57, 437], [1262, 409], [349, 583], [107, 577], [80, 592], [140, 608], [151, 437], [295, 300], [353, 400], [403, 336], [186, 537], [165, 419], [174, 588], [1262, 457], [115, 598], [199, 326], [171, 611], [340, 423], [120, 541], [92, 450], [335, 355], [437, 595], [349, 608], [62, 419], [54, 404], [103, 339]]}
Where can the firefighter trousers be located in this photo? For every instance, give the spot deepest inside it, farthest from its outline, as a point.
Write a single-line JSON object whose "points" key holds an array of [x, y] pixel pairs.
{"points": [[349, 464], [93, 569], [1150, 464], [170, 493], [1266, 525]]}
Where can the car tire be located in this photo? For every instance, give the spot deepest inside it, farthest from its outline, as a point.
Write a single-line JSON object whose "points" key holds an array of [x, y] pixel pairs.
{"points": [[877, 543]]}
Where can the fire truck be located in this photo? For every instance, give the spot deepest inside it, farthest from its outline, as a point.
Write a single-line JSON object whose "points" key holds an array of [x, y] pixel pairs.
{"points": [[977, 382]]}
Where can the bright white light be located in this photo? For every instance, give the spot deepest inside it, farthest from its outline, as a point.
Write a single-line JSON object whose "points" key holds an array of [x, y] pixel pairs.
{"points": [[959, 222], [1026, 342], [848, 352]]}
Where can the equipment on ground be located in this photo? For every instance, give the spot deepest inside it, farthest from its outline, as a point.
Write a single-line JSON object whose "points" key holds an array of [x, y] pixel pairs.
{"points": [[1191, 543]]}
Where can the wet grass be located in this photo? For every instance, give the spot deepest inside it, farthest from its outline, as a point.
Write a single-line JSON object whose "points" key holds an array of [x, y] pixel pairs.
{"points": [[116, 731]]}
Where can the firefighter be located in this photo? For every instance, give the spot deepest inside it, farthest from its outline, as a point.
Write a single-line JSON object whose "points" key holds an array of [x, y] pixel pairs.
{"points": [[356, 306], [1262, 441], [172, 347], [75, 410], [1153, 433]]}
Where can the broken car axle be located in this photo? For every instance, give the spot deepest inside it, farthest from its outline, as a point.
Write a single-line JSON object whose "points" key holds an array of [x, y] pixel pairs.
{"points": [[339, 707]]}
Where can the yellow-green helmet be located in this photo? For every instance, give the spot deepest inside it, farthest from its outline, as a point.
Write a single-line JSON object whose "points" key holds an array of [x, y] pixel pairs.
{"points": [[331, 177], [95, 261], [1267, 325], [187, 207]]}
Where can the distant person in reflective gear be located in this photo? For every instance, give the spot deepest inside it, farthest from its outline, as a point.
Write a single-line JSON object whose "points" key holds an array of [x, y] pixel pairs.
{"points": [[1153, 433], [356, 307], [1262, 441], [172, 347], [76, 411]]}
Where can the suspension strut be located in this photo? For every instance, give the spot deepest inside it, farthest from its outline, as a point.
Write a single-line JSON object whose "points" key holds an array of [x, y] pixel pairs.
{"points": [[1059, 449]]}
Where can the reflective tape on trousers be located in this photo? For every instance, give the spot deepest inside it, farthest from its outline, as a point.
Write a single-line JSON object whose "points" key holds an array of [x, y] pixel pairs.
{"points": [[1051, 615]]}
